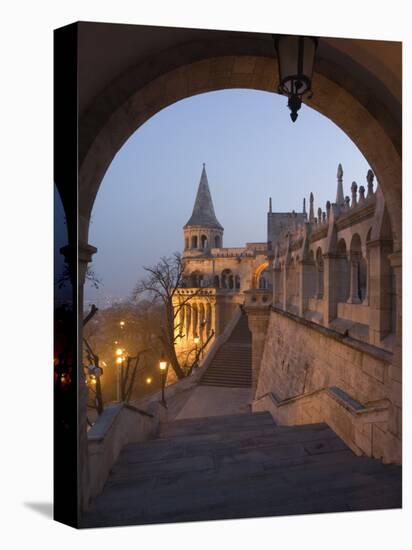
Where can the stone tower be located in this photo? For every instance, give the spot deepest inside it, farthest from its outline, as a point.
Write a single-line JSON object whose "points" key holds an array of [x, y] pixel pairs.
{"points": [[203, 231]]}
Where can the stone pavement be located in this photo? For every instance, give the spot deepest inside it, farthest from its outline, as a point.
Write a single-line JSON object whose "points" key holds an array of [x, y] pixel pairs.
{"points": [[214, 401], [240, 466]]}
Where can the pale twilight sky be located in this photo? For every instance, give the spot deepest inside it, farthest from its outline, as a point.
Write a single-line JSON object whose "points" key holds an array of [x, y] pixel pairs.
{"points": [[252, 151]]}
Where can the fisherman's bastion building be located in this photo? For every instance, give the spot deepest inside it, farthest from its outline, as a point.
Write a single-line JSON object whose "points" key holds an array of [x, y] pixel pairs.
{"points": [[319, 297]]}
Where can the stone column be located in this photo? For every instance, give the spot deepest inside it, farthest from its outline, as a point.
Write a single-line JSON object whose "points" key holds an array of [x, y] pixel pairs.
{"points": [[354, 281], [85, 253], [78, 260], [285, 286], [395, 371], [367, 290], [380, 288], [329, 291], [258, 320], [304, 286]]}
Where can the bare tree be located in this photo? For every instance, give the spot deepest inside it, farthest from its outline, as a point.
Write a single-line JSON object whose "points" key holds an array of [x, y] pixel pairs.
{"points": [[162, 284]]}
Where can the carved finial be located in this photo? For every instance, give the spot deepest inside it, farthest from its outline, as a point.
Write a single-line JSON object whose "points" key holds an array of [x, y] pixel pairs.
{"points": [[319, 215], [270, 205], [369, 178], [327, 209], [354, 190], [311, 212], [361, 193], [339, 191], [347, 202], [304, 205], [323, 217]]}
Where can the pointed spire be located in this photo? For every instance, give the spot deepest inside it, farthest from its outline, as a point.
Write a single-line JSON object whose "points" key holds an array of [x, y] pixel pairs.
{"points": [[311, 212], [304, 206], [354, 190], [369, 178], [339, 191], [203, 210], [270, 205], [327, 210]]}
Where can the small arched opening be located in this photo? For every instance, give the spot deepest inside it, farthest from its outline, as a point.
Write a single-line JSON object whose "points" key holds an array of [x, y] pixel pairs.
{"points": [[204, 241]]}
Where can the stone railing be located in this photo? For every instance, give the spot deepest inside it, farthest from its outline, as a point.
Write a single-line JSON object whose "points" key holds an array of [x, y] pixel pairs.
{"points": [[349, 419], [257, 247], [258, 297], [118, 425], [231, 252]]}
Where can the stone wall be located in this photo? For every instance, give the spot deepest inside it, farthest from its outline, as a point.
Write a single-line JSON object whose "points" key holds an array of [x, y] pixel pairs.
{"points": [[302, 359]]}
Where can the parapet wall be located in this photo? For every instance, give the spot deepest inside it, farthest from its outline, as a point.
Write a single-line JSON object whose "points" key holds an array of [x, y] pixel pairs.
{"points": [[314, 374]]}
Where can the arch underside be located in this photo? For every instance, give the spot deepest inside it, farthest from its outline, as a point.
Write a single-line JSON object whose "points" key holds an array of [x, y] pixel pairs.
{"points": [[117, 114]]}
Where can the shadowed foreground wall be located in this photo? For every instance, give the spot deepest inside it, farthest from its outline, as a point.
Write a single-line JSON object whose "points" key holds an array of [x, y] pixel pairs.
{"points": [[314, 374]]}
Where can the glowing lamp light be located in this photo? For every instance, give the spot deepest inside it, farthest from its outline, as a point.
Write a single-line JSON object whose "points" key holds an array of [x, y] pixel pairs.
{"points": [[196, 340], [148, 380], [122, 323], [162, 364], [119, 351], [119, 360]]}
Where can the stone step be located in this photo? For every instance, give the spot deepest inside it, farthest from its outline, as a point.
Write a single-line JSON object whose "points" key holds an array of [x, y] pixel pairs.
{"points": [[240, 466], [220, 365], [232, 379], [226, 383], [232, 365], [211, 425]]}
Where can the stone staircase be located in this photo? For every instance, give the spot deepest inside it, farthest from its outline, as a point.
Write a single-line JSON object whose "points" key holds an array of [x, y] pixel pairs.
{"points": [[240, 466], [232, 365]]}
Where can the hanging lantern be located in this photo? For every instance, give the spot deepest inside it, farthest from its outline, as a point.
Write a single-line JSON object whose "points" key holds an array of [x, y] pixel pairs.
{"points": [[296, 57]]}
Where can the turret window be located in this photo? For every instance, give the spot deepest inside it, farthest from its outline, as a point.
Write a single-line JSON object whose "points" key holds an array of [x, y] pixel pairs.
{"points": [[194, 241]]}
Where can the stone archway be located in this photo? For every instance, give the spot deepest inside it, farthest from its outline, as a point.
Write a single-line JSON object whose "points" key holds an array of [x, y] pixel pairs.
{"points": [[256, 275], [126, 104], [354, 86]]}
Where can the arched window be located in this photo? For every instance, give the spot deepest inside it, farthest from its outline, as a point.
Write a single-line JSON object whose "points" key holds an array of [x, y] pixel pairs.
{"points": [[203, 241], [208, 319], [188, 320], [196, 279], [262, 283], [358, 270], [319, 273], [194, 241], [217, 241], [195, 320], [227, 279], [216, 282]]}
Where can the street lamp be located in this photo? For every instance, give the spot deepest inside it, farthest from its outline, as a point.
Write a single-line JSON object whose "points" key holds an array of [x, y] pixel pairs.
{"points": [[119, 363], [196, 340], [163, 370], [296, 57]]}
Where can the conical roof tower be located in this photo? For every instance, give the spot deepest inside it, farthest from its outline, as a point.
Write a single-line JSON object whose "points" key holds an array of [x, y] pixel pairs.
{"points": [[203, 231], [203, 211]]}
